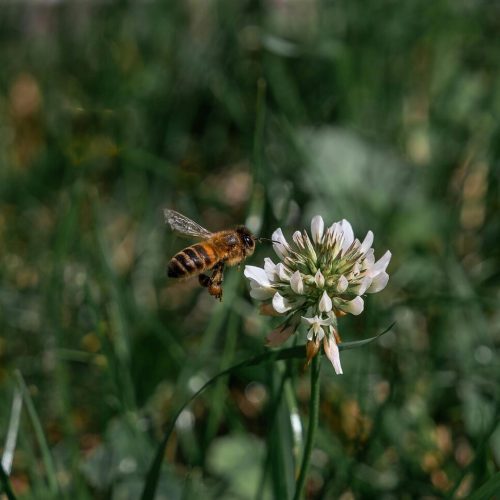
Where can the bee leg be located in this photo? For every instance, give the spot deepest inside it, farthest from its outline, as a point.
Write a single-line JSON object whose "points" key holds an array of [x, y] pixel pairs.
{"points": [[215, 287], [204, 280], [215, 290]]}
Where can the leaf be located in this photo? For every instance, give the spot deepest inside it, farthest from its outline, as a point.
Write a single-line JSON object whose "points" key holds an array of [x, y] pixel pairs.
{"points": [[153, 475], [344, 346]]}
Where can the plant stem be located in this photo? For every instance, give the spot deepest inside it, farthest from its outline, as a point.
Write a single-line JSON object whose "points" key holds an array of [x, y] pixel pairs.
{"points": [[311, 430]]}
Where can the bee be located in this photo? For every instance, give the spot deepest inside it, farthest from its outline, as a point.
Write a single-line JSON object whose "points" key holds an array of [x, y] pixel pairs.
{"points": [[229, 247]]}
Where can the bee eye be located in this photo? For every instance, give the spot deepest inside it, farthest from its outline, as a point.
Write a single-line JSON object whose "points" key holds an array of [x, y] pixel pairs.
{"points": [[248, 241]]}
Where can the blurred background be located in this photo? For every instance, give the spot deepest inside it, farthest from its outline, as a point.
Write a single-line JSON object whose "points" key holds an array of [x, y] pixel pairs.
{"points": [[259, 112]]}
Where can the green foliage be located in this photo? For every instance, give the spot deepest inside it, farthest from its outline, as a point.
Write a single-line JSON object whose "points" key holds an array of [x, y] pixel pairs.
{"points": [[264, 113]]}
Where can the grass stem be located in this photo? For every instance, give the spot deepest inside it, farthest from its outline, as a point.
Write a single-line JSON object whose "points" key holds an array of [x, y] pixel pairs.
{"points": [[311, 430]]}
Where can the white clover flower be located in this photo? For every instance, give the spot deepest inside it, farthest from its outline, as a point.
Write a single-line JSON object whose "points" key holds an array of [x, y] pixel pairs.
{"points": [[317, 280]]}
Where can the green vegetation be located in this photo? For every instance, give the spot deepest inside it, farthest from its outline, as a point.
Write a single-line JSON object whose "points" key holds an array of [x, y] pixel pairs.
{"points": [[264, 113]]}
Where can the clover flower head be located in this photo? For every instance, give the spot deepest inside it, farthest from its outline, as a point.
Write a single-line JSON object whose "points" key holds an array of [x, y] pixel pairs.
{"points": [[316, 280]]}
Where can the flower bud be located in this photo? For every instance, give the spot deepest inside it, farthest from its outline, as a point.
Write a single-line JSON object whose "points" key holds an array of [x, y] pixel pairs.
{"points": [[312, 348], [317, 228], [325, 304], [342, 284], [296, 283], [319, 279]]}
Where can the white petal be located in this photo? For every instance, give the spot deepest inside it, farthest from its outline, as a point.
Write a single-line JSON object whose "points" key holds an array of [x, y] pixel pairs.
{"points": [[297, 238], [281, 248], [325, 304], [367, 242], [363, 286], [310, 334], [348, 234], [334, 229], [283, 272], [257, 274], [280, 304], [270, 268], [379, 282], [260, 293], [333, 354], [355, 306], [319, 279], [342, 284], [309, 321], [317, 228], [320, 335], [296, 283], [317, 328], [279, 336], [328, 320], [369, 259], [381, 264], [356, 268], [279, 237], [280, 251]]}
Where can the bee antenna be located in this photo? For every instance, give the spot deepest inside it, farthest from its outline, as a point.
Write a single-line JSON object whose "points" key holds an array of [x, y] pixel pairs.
{"points": [[260, 240]]}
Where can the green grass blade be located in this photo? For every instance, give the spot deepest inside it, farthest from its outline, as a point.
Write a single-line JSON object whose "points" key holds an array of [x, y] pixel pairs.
{"points": [[488, 489], [280, 440], [48, 462], [153, 475], [12, 432], [276, 402], [218, 396], [296, 427], [5, 483]]}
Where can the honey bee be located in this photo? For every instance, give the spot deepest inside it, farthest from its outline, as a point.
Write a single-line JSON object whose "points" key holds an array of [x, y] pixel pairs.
{"points": [[229, 247]]}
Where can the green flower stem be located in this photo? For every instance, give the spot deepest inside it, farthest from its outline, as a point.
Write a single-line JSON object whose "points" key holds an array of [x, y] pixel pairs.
{"points": [[313, 424], [296, 352]]}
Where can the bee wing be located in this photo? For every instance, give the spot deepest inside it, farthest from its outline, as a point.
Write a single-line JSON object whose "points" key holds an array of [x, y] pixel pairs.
{"points": [[183, 225]]}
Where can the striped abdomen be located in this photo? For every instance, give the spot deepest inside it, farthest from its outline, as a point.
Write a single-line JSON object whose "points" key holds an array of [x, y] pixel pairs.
{"points": [[192, 260]]}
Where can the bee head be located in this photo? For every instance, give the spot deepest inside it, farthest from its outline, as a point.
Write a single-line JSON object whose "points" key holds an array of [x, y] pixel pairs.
{"points": [[247, 239]]}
